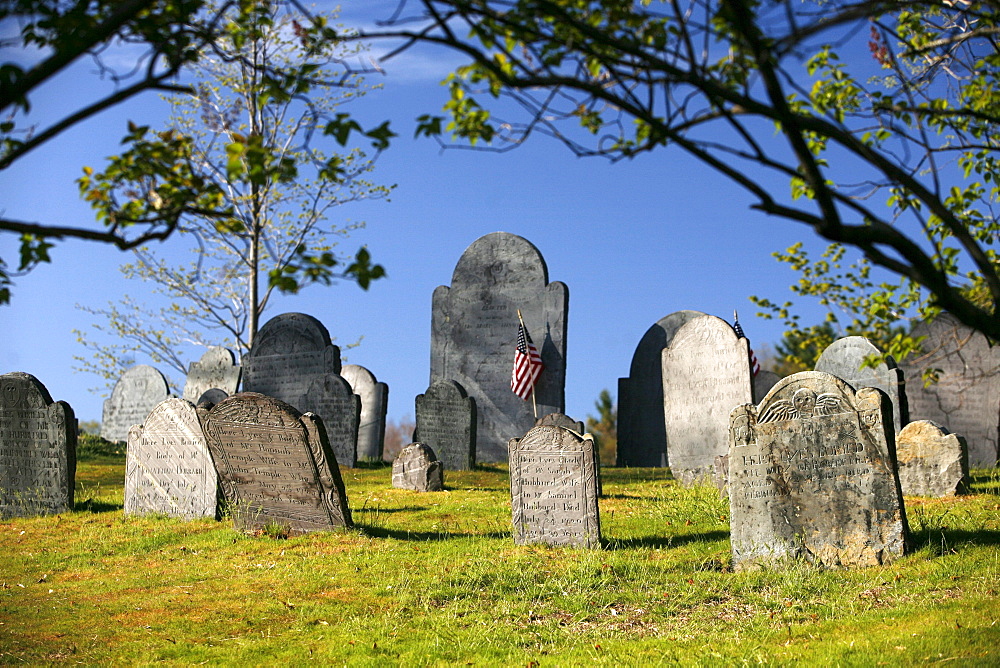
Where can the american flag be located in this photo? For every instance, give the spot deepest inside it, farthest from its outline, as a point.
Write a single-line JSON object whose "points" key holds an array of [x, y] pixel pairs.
{"points": [[527, 365], [754, 365]]}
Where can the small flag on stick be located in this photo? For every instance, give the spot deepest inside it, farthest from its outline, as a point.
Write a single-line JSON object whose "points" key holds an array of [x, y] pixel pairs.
{"points": [[527, 364], [754, 365]]}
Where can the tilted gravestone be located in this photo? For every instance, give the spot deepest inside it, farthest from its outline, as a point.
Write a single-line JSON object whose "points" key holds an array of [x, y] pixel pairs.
{"points": [[812, 475], [136, 393], [167, 466], [446, 421], [763, 382], [561, 420], [706, 373], [553, 488], [332, 398], [966, 398], [275, 465], [932, 462], [642, 436], [37, 449], [217, 368], [374, 402], [418, 468], [844, 358], [474, 327]]}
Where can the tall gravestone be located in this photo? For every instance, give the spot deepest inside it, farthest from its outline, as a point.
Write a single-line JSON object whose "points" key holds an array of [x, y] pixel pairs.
{"points": [[374, 402], [168, 468], [706, 373], [37, 449], [844, 358], [763, 381], [446, 421], [332, 398], [217, 369], [812, 475], [275, 465], [642, 436], [553, 488], [931, 461], [474, 332], [966, 398], [136, 393]]}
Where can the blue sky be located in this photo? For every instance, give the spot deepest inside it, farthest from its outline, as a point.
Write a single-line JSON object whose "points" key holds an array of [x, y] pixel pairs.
{"points": [[634, 241]]}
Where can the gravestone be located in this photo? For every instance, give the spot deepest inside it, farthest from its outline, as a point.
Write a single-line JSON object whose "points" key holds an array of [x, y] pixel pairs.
{"points": [[374, 401], [37, 449], [966, 398], [136, 393], [217, 368], [763, 382], [418, 468], [561, 420], [812, 475], [275, 465], [553, 488], [642, 436], [843, 358], [212, 396], [446, 421], [932, 462], [706, 373], [474, 329], [167, 466], [332, 398]]}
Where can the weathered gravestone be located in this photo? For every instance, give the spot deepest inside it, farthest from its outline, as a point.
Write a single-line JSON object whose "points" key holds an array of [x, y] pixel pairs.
{"points": [[446, 421], [553, 488], [966, 398], [167, 466], [37, 449], [275, 466], [843, 358], [763, 382], [217, 368], [418, 468], [812, 475], [332, 398], [706, 373], [136, 393], [931, 461], [474, 328], [561, 420], [374, 402], [212, 397], [642, 436]]}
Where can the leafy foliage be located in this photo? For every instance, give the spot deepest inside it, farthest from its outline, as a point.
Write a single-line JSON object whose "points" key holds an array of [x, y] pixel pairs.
{"points": [[605, 426]]}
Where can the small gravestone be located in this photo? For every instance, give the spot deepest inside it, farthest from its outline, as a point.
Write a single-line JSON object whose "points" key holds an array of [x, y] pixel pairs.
{"points": [[167, 467], [932, 462], [275, 465], [966, 398], [136, 393], [374, 401], [763, 382], [474, 327], [37, 449], [217, 368], [332, 399], [812, 476], [446, 421], [706, 373], [561, 420], [844, 359], [418, 468], [553, 488], [212, 396], [642, 436]]}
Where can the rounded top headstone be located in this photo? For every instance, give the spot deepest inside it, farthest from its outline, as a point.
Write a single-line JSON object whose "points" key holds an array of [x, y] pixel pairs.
{"points": [[358, 375], [656, 338], [22, 390], [495, 259], [446, 389], [290, 333]]}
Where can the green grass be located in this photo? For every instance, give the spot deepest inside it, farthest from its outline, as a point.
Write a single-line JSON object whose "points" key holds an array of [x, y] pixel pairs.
{"points": [[435, 579]]}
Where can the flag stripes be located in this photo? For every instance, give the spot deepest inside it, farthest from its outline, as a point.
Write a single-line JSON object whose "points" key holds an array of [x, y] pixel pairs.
{"points": [[527, 364]]}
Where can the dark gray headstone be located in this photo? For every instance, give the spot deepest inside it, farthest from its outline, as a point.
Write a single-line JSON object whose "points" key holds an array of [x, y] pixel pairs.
{"points": [[932, 462], [374, 402], [418, 468], [706, 373], [37, 449], [642, 436], [812, 476], [966, 398], [217, 368], [212, 396], [762, 384], [553, 487], [333, 400], [167, 467], [136, 393], [561, 420], [446, 421], [274, 465], [474, 332], [843, 358]]}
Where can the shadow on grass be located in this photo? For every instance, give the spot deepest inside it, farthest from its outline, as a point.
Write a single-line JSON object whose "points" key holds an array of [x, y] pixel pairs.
{"points": [[662, 541], [953, 539], [92, 506], [378, 510], [424, 536], [372, 464]]}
